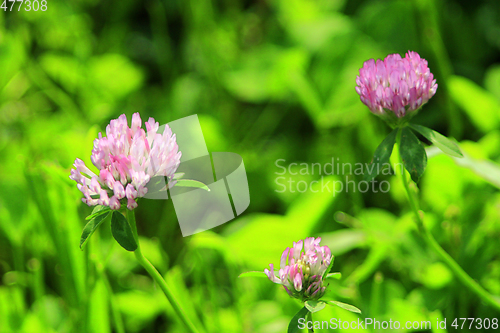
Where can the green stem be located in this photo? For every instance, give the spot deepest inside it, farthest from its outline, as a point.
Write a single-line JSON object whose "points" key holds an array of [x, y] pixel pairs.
{"points": [[411, 199], [157, 276], [466, 280], [309, 317]]}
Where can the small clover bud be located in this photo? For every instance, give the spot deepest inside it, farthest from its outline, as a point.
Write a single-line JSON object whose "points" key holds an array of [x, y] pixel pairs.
{"points": [[302, 269]]}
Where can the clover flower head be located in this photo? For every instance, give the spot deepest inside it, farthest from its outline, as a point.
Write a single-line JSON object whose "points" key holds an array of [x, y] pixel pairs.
{"points": [[127, 158], [395, 86], [302, 269]]}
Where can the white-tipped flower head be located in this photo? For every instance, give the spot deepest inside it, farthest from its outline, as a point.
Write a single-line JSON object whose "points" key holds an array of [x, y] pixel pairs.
{"points": [[302, 269], [127, 158]]}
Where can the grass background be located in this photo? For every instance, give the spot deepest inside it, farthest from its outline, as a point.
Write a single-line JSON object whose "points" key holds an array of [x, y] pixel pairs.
{"points": [[269, 80]]}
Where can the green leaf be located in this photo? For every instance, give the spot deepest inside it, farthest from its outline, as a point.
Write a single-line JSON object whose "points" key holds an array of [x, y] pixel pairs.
{"points": [[120, 228], [92, 226], [413, 154], [191, 183], [293, 326], [98, 210], [381, 156], [345, 306], [336, 276], [314, 306], [446, 145], [253, 274]]}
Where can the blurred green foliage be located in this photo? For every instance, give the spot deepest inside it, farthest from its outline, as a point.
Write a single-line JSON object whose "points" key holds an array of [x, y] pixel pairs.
{"points": [[269, 80]]}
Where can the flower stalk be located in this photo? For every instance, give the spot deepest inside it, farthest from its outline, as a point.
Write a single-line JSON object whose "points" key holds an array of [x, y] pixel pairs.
{"points": [[395, 89], [127, 158], [461, 275], [309, 317], [153, 272]]}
